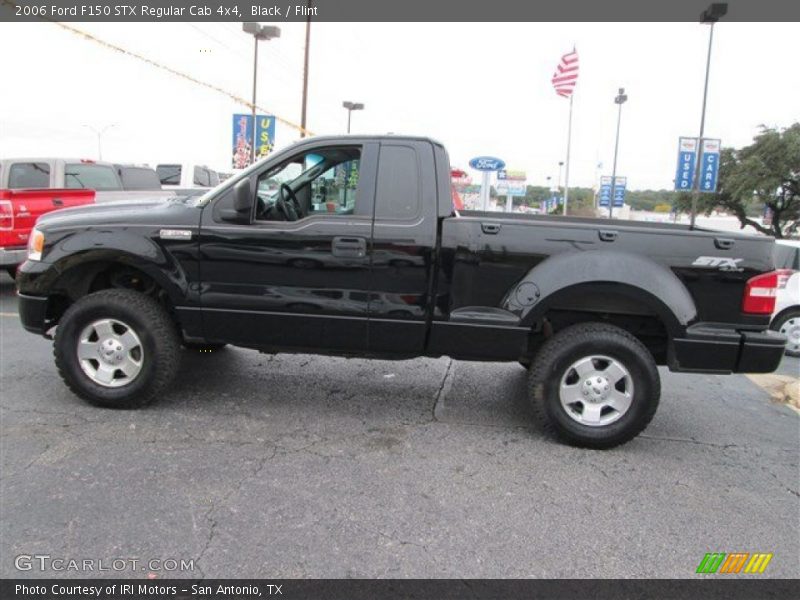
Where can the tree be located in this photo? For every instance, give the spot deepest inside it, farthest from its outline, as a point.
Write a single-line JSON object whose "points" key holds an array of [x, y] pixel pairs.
{"points": [[764, 174]]}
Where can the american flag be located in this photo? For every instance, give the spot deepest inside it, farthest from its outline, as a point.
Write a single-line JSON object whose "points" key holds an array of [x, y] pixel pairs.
{"points": [[566, 75]]}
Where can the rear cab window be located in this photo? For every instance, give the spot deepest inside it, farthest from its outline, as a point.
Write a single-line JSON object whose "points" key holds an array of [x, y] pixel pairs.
{"points": [[29, 175], [139, 178], [91, 176], [398, 196], [169, 174]]}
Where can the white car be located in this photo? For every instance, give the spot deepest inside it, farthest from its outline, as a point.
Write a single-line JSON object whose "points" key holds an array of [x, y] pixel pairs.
{"points": [[786, 317]]}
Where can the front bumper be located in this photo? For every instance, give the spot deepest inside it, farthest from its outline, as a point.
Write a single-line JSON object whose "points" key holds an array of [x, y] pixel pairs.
{"points": [[33, 313], [711, 348], [11, 257]]}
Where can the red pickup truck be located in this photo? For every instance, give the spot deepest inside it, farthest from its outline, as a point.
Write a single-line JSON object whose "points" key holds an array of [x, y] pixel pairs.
{"points": [[19, 210]]}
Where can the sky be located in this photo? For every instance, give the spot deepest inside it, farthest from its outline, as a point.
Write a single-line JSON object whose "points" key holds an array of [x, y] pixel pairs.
{"points": [[480, 88]]}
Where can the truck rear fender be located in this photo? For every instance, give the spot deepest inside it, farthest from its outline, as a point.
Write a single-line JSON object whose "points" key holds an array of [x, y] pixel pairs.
{"points": [[562, 280]]}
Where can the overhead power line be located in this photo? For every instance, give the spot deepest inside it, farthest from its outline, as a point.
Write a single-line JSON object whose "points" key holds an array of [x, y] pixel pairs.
{"points": [[172, 71]]}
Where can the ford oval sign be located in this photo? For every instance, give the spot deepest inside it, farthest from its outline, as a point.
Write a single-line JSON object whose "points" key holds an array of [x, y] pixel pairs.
{"points": [[487, 163]]}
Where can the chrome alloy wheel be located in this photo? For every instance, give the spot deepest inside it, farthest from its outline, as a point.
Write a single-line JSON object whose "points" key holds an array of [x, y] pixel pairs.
{"points": [[110, 353], [596, 390], [791, 329]]}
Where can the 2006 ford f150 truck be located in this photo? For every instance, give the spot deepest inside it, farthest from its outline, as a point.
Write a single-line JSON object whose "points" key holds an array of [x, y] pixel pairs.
{"points": [[350, 246]]}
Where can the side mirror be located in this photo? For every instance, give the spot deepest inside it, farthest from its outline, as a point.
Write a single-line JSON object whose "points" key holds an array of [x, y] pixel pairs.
{"points": [[243, 198]]}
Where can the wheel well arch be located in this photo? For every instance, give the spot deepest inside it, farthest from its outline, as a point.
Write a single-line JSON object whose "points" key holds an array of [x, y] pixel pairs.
{"points": [[794, 308], [630, 308], [101, 273]]}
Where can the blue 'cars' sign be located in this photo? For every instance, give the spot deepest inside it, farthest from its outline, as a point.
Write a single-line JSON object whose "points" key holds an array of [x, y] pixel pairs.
{"points": [[487, 163], [709, 165]]}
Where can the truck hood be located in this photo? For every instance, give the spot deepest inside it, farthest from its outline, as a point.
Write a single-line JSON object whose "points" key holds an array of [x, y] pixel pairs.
{"points": [[179, 211]]}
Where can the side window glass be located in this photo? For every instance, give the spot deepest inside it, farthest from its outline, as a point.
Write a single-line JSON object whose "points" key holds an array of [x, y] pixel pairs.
{"points": [[323, 181]]}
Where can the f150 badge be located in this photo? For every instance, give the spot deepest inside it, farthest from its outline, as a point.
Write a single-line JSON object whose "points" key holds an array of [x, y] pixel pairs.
{"points": [[175, 234], [720, 262]]}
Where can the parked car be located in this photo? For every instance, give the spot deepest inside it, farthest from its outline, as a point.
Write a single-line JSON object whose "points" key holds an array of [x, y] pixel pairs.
{"points": [[73, 174], [590, 306], [19, 210], [184, 176], [786, 318]]}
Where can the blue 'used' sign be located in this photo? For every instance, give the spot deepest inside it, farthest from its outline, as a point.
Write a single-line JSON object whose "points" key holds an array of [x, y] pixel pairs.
{"points": [[486, 163], [709, 165], [619, 191], [687, 153], [605, 191]]}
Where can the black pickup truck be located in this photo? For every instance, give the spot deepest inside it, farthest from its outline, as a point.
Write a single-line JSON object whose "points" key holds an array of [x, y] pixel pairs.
{"points": [[351, 246]]}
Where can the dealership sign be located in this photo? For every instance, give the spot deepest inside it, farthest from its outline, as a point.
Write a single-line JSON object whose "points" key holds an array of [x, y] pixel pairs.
{"points": [[687, 152], [709, 165], [243, 138], [487, 163], [511, 183]]}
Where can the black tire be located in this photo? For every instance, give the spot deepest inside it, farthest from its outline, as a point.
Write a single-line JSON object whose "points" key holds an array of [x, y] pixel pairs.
{"points": [[150, 322], [552, 365], [782, 320], [12, 272], [203, 348]]}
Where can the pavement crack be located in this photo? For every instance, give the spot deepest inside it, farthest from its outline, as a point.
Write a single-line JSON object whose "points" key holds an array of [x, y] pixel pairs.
{"points": [[444, 388], [210, 517], [690, 441]]}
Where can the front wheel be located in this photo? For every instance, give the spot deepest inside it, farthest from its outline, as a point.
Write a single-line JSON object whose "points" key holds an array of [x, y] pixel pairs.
{"points": [[594, 385], [789, 325], [116, 349]]}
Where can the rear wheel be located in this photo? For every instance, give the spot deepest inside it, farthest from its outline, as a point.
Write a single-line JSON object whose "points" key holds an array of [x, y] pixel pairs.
{"points": [[116, 348], [789, 325], [594, 385]]}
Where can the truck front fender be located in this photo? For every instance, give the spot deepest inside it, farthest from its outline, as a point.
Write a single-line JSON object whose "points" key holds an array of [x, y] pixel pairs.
{"points": [[72, 258], [590, 280]]}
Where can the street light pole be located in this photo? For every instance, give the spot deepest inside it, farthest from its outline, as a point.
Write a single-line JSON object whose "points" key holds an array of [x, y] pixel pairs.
{"points": [[99, 133], [710, 15], [259, 32], [351, 106], [619, 100], [305, 73]]}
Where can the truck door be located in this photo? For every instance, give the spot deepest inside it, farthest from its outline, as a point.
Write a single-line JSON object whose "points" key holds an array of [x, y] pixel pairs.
{"points": [[298, 275], [404, 241]]}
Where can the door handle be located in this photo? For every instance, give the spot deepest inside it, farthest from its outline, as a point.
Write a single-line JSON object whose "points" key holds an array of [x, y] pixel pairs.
{"points": [[490, 228], [607, 235], [349, 247], [724, 243]]}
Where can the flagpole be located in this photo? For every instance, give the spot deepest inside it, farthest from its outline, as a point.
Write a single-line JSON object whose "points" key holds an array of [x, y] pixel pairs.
{"points": [[566, 171]]}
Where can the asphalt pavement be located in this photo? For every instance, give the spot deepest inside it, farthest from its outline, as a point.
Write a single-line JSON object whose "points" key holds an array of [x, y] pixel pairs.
{"points": [[301, 466]]}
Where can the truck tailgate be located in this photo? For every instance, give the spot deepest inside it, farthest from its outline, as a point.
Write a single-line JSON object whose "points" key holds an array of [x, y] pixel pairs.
{"points": [[21, 208]]}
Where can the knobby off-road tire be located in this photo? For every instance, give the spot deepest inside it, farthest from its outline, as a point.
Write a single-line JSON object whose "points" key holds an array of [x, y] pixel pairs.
{"points": [[594, 385], [117, 349]]}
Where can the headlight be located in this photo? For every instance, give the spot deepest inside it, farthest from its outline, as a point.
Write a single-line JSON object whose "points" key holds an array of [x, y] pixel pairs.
{"points": [[35, 245]]}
